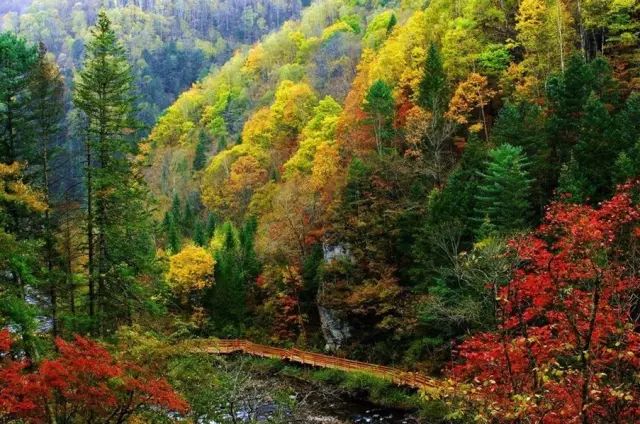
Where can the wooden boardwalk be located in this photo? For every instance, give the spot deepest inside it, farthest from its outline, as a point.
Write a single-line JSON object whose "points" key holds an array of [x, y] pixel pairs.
{"points": [[397, 376]]}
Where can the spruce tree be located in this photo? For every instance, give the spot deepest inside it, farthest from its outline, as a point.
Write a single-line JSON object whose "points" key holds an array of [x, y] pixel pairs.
{"points": [[173, 234], [188, 219], [200, 158], [46, 106], [16, 61], [380, 107], [199, 236], [118, 221], [211, 226], [596, 152], [521, 125], [434, 95], [502, 201]]}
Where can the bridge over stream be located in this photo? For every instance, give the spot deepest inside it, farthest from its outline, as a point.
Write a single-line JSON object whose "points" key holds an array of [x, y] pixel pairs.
{"points": [[397, 376]]}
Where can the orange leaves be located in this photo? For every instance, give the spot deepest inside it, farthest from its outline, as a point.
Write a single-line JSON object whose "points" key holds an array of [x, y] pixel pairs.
{"points": [[471, 94]]}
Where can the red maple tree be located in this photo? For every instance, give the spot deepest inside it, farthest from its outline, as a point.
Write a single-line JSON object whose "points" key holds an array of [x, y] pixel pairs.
{"points": [[568, 346], [83, 383]]}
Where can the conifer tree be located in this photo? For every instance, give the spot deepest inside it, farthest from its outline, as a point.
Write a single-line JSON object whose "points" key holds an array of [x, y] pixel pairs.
{"points": [[199, 236], [434, 98], [502, 201], [46, 88], [434, 94], [211, 226], [200, 158], [118, 223], [522, 125], [173, 234], [380, 106], [16, 61]]}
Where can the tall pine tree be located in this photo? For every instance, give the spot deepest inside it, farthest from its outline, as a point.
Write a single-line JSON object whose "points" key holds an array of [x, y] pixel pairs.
{"points": [[46, 88], [118, 223]]}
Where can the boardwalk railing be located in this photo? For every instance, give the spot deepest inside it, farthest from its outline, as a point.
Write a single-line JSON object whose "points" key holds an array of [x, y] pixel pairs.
{"points": [[395, 375]]}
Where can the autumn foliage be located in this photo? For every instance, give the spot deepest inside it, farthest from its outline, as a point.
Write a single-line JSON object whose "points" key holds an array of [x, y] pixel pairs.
{"points": [[568, 347], [84, 381]]}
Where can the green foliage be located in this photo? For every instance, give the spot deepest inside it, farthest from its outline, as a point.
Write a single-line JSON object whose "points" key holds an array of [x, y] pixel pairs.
{"points": [[236, 267], [17, 59], [494, 59], [380, 108], [433, 85], [119, 230], [522, 125], [200, 158], [502, 200]]}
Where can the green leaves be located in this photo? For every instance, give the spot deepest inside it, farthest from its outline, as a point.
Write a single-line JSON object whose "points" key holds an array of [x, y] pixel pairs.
{"points": [[380, 107], [503, 195]]}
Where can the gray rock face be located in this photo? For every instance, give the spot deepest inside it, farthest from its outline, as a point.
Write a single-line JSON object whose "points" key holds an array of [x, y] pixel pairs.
{"points": [[331, 253], [335, 331]]}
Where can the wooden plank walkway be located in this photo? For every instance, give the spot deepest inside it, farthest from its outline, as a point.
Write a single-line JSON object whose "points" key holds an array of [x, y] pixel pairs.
{"points": [[397, 376]]}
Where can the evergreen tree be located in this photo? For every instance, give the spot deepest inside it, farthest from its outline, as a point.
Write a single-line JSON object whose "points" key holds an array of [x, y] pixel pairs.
{"points": [[173, 234], [200, 158], [46, 105], [246, 237], [434, 94], [211, 226], [567, 95], [176, 209], [236, 267], [199, 236], [118, 221], [627, 165], [434, 98], [628, 122], [596, 152], [502, 200], [188, 220], [380, 107], [16, 61], [226, 299], [521, 125]]}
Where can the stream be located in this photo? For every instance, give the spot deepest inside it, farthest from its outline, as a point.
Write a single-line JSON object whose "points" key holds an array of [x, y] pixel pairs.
{"points": [[305, 402]]}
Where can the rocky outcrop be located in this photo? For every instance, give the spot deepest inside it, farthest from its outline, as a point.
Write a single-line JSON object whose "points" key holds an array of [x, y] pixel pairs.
{"points": [[336, 331]]}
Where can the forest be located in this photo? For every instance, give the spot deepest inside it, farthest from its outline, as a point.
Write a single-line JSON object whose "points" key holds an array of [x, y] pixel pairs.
{"points": [[448, 188]]}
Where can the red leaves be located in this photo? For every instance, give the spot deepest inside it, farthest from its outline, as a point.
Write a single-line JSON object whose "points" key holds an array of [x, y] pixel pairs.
{"points": [[567, 349], [83, 381], [5, 340]]}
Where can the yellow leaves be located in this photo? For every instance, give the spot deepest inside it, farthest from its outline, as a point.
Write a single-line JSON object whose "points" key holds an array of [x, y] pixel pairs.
{"points": [[334, 29], [13, 190], [293, 105], [259, 129], [231, 179], [255, 60], [519, 86], [471, 94], [399, 59], [460, 48], [325, 166], [545, 31], [319, 130], [190, 270], [176, 126]]}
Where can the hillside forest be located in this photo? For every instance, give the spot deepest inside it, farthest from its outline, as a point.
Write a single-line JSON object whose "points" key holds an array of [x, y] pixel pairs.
{"points": [[447, 187]]}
